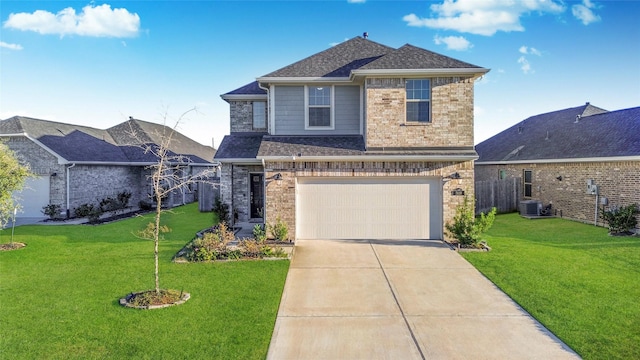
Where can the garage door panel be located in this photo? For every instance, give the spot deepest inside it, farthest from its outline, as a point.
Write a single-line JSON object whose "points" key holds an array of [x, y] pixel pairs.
{"points": [[33, 197], [367, 208]]}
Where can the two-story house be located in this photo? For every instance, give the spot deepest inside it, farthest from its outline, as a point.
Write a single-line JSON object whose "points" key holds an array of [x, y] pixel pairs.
{"points": [[360, 141]]}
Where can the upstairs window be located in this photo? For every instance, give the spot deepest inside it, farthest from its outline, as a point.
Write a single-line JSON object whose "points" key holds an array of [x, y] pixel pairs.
{"points": [[259, 115], [319, 107], [418, 100]]}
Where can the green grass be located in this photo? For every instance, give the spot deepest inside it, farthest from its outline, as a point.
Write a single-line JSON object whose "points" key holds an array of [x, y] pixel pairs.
{"points": [[578, 281], [59, 295]]}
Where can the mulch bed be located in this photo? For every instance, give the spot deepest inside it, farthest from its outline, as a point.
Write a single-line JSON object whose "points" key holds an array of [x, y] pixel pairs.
{"points": [[12, 246]]}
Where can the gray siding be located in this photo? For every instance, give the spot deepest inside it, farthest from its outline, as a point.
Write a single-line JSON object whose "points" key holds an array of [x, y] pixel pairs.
{"points": [[289, 111]]}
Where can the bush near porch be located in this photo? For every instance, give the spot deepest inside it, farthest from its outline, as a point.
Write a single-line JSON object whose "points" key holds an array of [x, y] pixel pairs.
{"points": [[578, 281], [59, 295]]}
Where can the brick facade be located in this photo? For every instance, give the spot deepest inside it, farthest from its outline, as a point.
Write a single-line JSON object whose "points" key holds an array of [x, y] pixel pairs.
{"points": [[280, 194], [242, 116], [451, 114], [619, 182], [89, 184]]}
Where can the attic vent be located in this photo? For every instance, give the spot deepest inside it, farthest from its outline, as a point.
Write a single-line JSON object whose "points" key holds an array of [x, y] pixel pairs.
{"points": [[547, 138], [365, 35], [520, 128], [578, 117]]}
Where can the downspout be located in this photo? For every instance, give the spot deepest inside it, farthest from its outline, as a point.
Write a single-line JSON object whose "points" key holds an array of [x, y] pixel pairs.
{"points": [[264, 167], [69, 188], [264, 191]]}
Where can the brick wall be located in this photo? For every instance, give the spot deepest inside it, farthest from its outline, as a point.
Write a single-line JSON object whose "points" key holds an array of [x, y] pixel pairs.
{"points": [[242, 116], [280, 195], [451, 114], [41, 162], [618, 181], [90, 183]]}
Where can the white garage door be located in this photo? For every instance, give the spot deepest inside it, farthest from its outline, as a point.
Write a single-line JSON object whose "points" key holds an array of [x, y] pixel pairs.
{"points": [[369, 208], [33, 197]]}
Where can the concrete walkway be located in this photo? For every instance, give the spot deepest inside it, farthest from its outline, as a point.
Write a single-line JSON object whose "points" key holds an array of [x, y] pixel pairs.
{"points": [[399, 300]]}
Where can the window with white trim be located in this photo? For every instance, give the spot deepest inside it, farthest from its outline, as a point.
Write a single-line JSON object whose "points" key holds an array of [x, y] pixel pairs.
{"points": [[259, 114], [418, 100], [319, 107]]}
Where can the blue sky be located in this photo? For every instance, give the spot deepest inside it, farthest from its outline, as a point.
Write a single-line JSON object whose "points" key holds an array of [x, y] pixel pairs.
{"points": [[97, 63]]}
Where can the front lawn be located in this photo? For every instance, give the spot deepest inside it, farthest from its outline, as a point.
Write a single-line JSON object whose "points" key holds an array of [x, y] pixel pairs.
{"points": [[59, 295], [578, 281]]}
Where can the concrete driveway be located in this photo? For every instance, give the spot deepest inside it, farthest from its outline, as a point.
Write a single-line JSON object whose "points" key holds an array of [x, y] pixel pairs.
{"points": [[350, 299]]}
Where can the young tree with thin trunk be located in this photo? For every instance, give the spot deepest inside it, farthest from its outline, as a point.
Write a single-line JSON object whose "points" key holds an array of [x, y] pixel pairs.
{"points": [[167, 176], [13, 174]]}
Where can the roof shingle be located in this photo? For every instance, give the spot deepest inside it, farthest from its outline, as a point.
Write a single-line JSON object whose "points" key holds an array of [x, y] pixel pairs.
{"points": [[581, 132]]}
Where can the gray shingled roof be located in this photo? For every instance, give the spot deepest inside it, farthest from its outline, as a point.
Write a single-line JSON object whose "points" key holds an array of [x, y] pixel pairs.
{"points": [[239, 146], [249, 89], [412, 57], [255, 145], [557, 135], [363, 54], [311, 145], [77, 143]]}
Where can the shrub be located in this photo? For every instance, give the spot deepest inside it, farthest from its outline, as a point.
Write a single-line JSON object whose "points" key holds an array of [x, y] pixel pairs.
{"points": [[221, 210], [123, 198], [466, 227], [52, 210], [91, 212], [259, 233], [212, 245], [279, 230], [621, 219], [145, 205]]}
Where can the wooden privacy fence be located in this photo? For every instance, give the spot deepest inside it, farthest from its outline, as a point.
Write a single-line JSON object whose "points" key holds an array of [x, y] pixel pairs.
{"points": [[501, 194]]}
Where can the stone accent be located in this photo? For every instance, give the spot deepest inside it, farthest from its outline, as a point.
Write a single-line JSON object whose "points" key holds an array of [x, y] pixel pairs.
{"points": [[280, 194], [451, 114], [242, 116], [234, 188], [619, 182]]}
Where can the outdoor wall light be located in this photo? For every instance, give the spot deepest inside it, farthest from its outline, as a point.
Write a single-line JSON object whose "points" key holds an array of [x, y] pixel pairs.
{"points": [[277, 176], [559, 178], [453, 176]]}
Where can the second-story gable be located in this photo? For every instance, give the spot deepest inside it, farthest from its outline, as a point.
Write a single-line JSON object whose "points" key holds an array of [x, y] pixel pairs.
{"points": [[395, 98]]}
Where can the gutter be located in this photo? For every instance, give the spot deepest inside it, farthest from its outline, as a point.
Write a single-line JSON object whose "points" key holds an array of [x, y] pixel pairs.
{"points": [[372, 158], [567, 160]]}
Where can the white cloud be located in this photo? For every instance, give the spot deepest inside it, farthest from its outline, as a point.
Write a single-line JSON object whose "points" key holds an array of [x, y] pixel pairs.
{"points": [[525, 66], [339, 42], [10, 46], [529, 51], [584, 12], [98, 21], [482, 17], [458, 43]]}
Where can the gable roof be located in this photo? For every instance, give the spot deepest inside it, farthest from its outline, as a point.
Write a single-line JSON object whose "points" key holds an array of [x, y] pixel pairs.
{"points": [[583, 132], [75, 143], [358, 57]]}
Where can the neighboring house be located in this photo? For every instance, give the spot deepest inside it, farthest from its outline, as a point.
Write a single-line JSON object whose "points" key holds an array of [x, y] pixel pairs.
{"points": [[356, 142], [78, 164], [558, 154]]}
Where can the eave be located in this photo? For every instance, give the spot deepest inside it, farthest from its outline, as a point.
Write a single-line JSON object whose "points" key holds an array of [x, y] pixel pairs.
{"points": [[565, 160]]}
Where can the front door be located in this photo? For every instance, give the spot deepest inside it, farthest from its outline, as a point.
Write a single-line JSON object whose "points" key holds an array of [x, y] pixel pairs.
{"points": [[256, 182]]}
